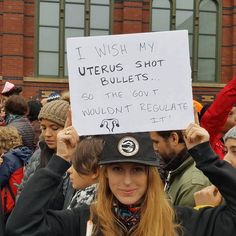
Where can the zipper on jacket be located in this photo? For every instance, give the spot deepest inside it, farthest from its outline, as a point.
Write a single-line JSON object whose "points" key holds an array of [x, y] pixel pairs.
{"points": [[167, 183]]}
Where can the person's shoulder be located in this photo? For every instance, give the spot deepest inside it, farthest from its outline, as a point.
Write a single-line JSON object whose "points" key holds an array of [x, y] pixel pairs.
{"points": [[192, 175], [197, 176], [82, 212]]}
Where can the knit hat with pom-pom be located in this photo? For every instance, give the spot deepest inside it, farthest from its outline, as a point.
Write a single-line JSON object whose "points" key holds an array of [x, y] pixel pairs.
{"points": [[55, 111]]}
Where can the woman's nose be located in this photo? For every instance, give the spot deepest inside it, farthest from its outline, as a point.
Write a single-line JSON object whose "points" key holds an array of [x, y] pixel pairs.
{"points": [[127, 178]]}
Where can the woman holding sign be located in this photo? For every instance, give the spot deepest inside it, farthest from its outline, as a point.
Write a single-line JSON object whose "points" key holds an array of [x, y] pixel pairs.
{"points": [[130, 198]]}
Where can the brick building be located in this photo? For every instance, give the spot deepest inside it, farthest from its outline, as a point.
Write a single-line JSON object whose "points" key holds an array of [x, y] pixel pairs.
{"points": [[32, 37]]}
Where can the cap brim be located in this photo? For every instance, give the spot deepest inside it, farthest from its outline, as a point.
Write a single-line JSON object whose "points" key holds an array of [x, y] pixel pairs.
{"points": [[144, 162]]}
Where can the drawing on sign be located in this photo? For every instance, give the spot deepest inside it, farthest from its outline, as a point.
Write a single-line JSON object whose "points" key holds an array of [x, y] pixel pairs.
{"points": [[110, 124]]}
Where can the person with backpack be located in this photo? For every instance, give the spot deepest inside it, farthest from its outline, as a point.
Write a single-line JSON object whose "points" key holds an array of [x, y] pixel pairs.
{"points": [[14, 157]]}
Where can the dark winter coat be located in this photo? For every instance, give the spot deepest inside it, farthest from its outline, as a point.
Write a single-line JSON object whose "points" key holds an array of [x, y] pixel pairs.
{"points": [[40, 220]]}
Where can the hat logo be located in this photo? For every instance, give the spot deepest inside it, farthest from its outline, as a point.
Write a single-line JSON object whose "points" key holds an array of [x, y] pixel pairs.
{"points": [[128, 146]]}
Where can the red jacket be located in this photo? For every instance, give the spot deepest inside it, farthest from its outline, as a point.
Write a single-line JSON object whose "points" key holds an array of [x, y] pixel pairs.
{"points": [[216, 115], [11, 173]]}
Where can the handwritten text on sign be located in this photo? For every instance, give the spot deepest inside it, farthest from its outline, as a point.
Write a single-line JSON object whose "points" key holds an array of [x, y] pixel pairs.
{"points": [[130, 83]]}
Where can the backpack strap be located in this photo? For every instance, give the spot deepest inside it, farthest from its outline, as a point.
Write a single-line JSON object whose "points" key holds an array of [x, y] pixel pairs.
{"points": [[2, 218], [7, 187], [10, 191]]}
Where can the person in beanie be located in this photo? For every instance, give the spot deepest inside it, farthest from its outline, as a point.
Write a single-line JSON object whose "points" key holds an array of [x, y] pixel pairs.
{"points": [[52, 117], [230, 146], [130, 196]]}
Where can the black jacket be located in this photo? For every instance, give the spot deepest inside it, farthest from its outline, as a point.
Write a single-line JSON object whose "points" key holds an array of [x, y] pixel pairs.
{"points": [[39, 220]]}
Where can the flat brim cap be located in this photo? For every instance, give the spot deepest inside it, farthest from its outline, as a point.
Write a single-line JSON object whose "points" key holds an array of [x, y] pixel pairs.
{"points": [[128, 147]]}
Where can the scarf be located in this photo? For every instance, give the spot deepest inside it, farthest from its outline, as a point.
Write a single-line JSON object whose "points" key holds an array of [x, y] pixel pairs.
{"points": [[10, 117], [128, 215], [83, 196]]}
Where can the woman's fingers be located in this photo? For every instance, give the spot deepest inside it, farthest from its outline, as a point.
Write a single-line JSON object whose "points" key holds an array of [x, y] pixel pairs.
{"points": [[68, 122]]}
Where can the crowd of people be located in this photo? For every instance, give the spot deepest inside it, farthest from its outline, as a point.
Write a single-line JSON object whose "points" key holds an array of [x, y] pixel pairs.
{"points": [[161, 183]]}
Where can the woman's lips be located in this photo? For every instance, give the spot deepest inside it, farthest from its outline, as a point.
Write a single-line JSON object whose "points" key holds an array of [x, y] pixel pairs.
{"points": [[49, 142], [127, 191]]}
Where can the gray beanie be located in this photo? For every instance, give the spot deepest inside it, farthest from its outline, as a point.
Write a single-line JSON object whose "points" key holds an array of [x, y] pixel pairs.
{"points": [[230, 134], [55, 111]]}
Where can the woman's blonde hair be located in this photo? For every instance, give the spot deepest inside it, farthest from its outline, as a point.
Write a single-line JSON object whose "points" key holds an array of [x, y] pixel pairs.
{"points": [[157, 216], [9, 138]]}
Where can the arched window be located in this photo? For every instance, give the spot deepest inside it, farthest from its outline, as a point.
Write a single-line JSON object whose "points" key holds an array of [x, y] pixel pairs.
{"points": [[60, 19], [161, 15], [201, 19], [207, 50], [184, 18]]}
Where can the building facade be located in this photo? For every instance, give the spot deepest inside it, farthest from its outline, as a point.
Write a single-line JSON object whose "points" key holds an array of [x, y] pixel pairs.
{"points": [[33, 37]]}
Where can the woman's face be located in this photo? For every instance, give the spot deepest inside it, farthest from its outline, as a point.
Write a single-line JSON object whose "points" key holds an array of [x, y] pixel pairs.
{"points": [[81, 181], [49, 131], [127, 181], [230, 148]]}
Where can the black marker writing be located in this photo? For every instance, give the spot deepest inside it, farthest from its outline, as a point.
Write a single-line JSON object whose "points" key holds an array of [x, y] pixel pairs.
{"points": [[98, 70], [123, 80], [145, 64]]}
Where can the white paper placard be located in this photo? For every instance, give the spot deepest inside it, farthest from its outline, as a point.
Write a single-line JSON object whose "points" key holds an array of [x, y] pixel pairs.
{"points": [[130, 82]]}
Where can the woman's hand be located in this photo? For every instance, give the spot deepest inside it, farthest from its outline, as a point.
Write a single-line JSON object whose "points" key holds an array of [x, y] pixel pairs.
{"points": [[194, 135], [67, 140]]}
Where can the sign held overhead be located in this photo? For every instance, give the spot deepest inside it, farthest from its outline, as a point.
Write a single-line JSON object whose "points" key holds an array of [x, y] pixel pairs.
{"points": [[130, 83]]}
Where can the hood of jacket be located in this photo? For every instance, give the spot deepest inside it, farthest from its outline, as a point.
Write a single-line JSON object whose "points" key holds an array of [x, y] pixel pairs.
{"points": [[23, 153]]}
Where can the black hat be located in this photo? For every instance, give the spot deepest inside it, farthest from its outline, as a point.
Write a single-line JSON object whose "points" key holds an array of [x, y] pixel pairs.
{"points": [[128, 147]]}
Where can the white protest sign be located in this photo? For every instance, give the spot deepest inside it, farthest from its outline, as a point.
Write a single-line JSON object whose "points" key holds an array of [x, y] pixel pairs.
{"points": [[130, 83]]}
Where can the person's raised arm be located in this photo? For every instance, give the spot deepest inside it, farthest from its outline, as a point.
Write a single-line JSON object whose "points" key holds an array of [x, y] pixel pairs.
{"points": [[31, 216], [220, 173]]}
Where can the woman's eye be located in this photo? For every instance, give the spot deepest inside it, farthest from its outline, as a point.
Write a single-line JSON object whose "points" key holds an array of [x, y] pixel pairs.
{"points": [[139, 169], [117, 169]]}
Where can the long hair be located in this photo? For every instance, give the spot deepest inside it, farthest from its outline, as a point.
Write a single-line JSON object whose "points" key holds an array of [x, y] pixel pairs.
{"points": [[157, 216]]}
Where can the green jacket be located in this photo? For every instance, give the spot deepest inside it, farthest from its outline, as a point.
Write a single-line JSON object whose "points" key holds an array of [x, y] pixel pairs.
{"points": [[183, 182]]}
